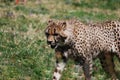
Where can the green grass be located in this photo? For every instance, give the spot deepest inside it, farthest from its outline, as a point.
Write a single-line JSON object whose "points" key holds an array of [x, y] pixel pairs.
{"points": [[85, 16], [108, 4], [29, 10], [24, 54]]}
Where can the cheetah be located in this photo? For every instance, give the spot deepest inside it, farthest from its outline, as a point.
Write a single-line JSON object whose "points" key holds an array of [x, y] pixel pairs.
{"points": [[83, 43]]}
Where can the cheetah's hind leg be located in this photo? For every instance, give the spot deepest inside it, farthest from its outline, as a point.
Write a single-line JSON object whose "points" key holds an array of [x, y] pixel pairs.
{"points": [[106, 59]]}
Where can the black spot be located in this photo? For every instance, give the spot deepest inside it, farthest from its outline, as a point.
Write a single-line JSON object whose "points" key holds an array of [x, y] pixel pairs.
{"points": [[118, 42], [54, 77], [117, 34], [118, 25], [56, 70], [118, 38]]}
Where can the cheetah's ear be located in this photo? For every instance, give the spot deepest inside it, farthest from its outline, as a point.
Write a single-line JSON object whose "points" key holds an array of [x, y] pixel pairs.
{"points": [[50, 21]]}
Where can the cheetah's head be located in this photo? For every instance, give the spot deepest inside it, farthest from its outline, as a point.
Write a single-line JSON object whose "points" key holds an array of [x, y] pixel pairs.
{"points": [[55, 33]]}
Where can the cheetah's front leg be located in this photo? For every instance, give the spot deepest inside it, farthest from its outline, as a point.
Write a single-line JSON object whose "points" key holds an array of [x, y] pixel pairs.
{"points": [[87, 68], [60, 64]]}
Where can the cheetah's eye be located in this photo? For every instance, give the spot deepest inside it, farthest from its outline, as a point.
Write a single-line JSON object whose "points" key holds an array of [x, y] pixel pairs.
{"points": [[46, 34], [55, 34]]}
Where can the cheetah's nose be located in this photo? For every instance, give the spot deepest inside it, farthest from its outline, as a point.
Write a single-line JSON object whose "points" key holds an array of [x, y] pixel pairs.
{"points": [[49, 42]]}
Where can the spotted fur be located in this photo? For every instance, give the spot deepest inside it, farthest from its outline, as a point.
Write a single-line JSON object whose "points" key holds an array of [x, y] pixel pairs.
{"points": [[81, 42]]}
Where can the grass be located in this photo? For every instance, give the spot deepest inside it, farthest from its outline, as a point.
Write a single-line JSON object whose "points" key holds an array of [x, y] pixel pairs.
{"points": [[108, 4], [24, 54]]}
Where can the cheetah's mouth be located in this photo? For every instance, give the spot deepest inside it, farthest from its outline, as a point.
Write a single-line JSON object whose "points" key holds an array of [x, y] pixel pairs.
{"points": [[53, 45]]}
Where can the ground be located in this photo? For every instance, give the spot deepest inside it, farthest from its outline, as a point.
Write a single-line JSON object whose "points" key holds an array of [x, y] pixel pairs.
{"points": [[24, 54]]}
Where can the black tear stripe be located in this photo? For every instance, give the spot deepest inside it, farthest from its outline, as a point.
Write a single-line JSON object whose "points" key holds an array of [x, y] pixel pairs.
{"points": [[54, 30], [49, 30], [54, 33]]}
